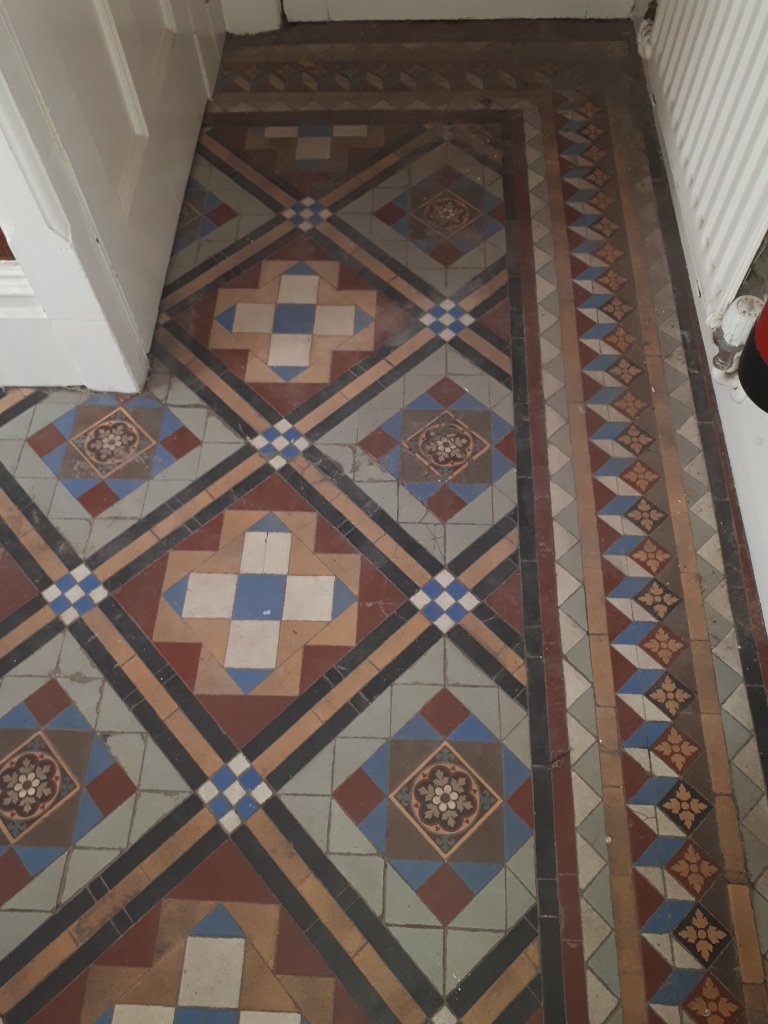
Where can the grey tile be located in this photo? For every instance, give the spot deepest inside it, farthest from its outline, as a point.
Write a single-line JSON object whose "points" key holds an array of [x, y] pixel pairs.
{"points": [[315, 777], [42, 893], [403, 906], [464, 949], [345, 836], [487, 910], [313, 812], [425, 945], [366, 875]]}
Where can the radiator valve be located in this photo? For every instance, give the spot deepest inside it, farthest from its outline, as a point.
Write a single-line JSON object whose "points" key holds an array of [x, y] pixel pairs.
{"points": [[732, 333]]}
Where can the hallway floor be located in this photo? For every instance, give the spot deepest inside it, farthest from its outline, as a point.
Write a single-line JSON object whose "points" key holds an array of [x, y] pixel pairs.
{"points": [[394, 656]]}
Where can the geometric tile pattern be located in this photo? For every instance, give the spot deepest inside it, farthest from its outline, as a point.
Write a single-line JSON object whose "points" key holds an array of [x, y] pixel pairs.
{"points": [[74, 594], [103, 450], [394, 656], [446, 829], [445, 447], [234, 792], [255, 605], [444, 600]]}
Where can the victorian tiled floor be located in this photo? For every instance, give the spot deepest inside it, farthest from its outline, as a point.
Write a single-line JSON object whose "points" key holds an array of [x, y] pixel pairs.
{"points": [[394, 657]]}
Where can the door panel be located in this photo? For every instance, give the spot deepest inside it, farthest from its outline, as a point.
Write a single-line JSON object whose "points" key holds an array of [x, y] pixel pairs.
{"points": [[125, 84]]}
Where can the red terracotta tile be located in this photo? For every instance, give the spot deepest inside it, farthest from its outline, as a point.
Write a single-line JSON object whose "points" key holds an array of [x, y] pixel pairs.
{"points": [[445, 894], [446, 254], [48, 701], [507, 601], [241, 718], [207, 538], [16, 588], [13, 876], [345, 1009], [656, 970], [328, 540], [378, 443], [44, 441], [183, 658], [111, 789], [507, 446], [376, 588], [521, 802], [358, 796], [317, 660], [224, 875], [66, 1007], [136, 948], [295, 953], [445, 712], [274, 495], [445, 503], [141, 596], [98, 499], [181, 442], [446, 391], [389, 214]]}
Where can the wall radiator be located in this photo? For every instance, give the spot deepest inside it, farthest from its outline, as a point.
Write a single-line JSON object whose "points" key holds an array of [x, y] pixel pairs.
{"points": [[708, 71]]}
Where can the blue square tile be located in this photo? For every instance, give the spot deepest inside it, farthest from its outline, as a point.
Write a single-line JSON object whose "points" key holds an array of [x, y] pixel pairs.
{"points": [[223, 777], [432, 611], [189, 1015], [84, 604], [89, 583], [456, 612], [456, 589], [432, 588], [66, 582], [246, 807], [293, 318], [60, 604], [250, 778], [219, 806], [259, 597]]}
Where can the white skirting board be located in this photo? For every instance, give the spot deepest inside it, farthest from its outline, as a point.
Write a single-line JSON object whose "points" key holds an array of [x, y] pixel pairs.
{"points": [[252, 16]]}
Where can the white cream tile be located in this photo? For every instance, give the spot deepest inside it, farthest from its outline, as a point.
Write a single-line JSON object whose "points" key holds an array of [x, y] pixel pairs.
{"points": [[213, 969], [252, 644], [289, 350], [266, 553], [254, 318], [301, 288], [308, 598], [210, 595], [335, 321]]}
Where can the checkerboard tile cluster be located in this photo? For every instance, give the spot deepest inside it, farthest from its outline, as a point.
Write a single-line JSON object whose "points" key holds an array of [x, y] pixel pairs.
{"points": [[74, 594], [235, 792], [447, 320], [444, 600], [306, 214], [279, 443]]}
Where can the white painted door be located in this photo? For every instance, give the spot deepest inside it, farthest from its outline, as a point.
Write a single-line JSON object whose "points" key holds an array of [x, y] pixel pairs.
{"points": [[122, 85]]}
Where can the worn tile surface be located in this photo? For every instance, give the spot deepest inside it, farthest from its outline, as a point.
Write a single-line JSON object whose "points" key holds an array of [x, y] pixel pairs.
{"points": [[394, 657]]}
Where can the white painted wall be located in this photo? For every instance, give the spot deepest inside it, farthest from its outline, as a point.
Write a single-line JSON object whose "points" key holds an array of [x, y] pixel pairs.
{"points": [[245, 16]]}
